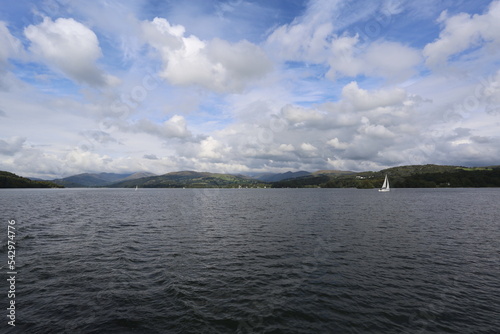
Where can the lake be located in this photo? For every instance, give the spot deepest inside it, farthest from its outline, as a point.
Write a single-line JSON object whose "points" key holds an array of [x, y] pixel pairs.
{"points": [[253, 260]]}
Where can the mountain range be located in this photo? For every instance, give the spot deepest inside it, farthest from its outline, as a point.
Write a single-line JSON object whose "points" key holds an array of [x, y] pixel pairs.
{"points": [[98, 179], [182, 179], [273, 177], [190, 179], [413, 176]]}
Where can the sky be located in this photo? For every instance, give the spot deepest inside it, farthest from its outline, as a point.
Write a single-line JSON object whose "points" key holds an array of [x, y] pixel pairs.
{"points": [[247, 86]]}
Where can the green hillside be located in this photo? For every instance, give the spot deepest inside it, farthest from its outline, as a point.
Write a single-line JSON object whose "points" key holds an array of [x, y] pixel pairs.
{"points": [[413, 176], [190, 179], [90, 180], [98, 179], [10, 180]]}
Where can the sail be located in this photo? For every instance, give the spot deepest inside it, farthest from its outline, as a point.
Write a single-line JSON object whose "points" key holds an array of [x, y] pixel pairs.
{"points": [[385, 186]]}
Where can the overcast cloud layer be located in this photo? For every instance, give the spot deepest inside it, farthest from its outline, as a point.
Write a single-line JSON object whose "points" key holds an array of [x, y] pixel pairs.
{"points": [[247, 86]]}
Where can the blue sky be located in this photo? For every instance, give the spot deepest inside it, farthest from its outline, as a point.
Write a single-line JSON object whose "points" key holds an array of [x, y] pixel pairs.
{"points": [[247, 86]]}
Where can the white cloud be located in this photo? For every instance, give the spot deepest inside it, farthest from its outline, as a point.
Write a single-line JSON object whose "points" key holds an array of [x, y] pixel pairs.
{"points": [[308, 147], [295, 111], [308, 150], [216, 65], [376, 131], [362, 99], [163, 36], [11, 46], [210, 148], [336, 143], [115, 20], [307, 38], [294, 114], [286, 148], [301, 42], [175, 127], [71, 47], [383, 59], [313, 38], [462, 32]]}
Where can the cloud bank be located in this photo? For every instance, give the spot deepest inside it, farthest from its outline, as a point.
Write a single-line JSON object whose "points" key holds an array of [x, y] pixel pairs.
{"points": [[248, 86]]}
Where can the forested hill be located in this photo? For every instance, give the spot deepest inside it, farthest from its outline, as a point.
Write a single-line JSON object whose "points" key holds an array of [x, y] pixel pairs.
{"points": [[413, 176], [191, 179], [10, 180]]}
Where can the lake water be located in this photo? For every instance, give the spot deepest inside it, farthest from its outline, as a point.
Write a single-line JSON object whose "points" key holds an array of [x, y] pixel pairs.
{"points": [[253, 260]]}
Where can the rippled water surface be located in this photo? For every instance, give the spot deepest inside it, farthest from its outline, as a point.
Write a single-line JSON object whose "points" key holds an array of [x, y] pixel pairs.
{"points": [[254, 260]]}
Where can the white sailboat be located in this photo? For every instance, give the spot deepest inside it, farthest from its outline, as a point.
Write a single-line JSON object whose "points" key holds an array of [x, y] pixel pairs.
{"points": [[385, 186], [136, 187]]}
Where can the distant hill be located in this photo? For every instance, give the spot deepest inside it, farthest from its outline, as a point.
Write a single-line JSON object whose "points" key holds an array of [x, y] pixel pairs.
{"points": [[10, 180], [98, 179], [282, 176], [138, 175], [412, 176], [332, 172], [419, 169], [190, 179], [432, 176], [315, 179], [90, 179], [306, 181]]}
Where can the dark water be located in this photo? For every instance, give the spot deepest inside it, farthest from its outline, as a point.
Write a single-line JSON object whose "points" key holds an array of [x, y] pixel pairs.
{"points": [[253, 261]]}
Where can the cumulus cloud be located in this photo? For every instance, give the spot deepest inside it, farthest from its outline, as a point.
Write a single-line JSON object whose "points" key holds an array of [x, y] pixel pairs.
{"points": [[376, 131], [308, 150], [175, 127], [298, 115], [462, 32], [362, 99], [210, 148], [365, 124], [310, 136], [71, 47], [286, 148], [294, 108], [336, 143], [383, 59], [216, 65]]}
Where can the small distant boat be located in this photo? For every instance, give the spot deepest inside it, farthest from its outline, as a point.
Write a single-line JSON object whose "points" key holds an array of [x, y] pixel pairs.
{"points": [[385, 186], [136, 187]]}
